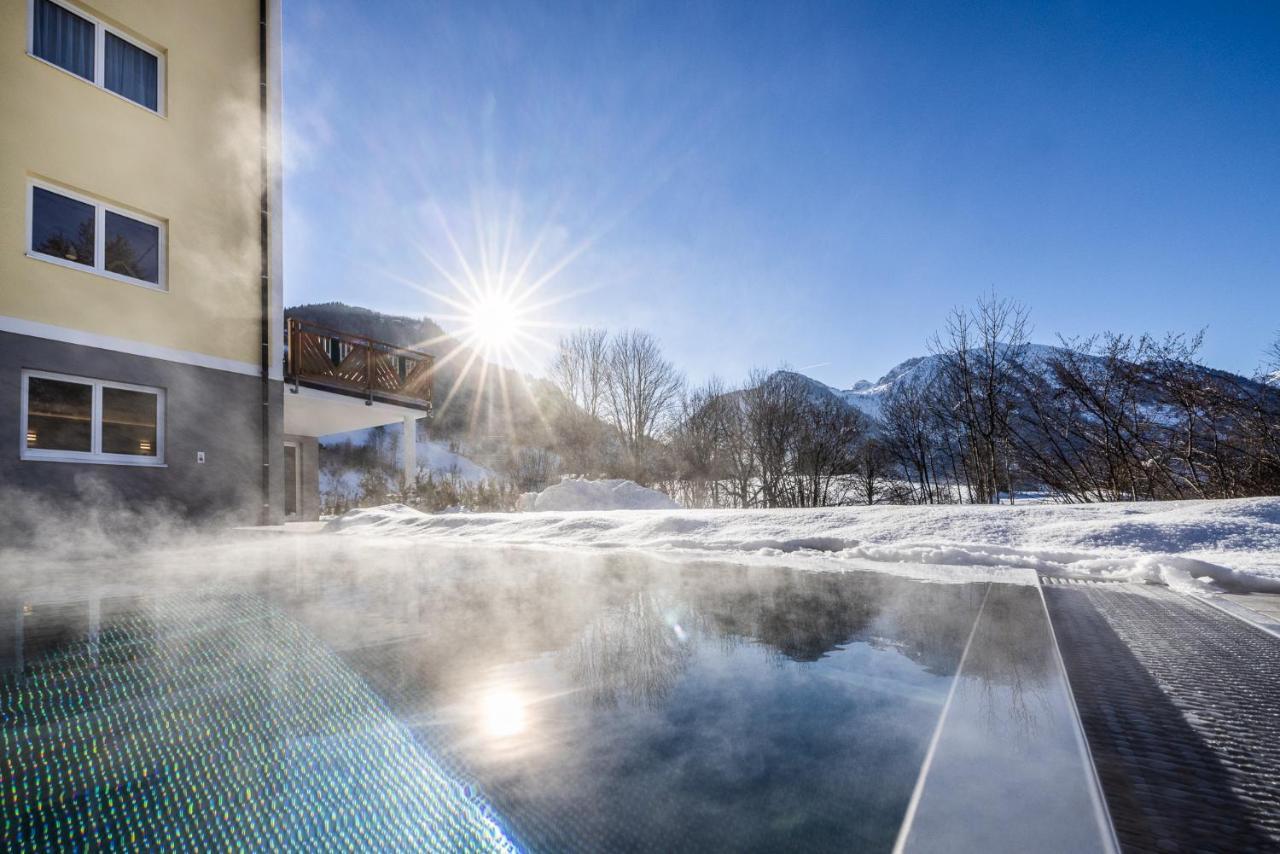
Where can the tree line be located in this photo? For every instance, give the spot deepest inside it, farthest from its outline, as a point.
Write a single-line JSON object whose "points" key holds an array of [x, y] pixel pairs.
{"points": [[987, 416]]}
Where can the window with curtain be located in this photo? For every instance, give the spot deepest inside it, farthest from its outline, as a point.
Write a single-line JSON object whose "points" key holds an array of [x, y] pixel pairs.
{"points": [[72, 419], [72, 229], [70, 39], [62, 37], [130, 71]]}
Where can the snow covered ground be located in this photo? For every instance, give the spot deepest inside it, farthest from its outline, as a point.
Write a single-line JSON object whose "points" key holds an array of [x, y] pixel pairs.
{"points": [[581, 494], [440, 461], [1203, 546]]}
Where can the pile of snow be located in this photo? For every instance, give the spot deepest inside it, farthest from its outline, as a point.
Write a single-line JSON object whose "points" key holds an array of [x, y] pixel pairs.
{"points": [[1189, 545], [579, 494]]}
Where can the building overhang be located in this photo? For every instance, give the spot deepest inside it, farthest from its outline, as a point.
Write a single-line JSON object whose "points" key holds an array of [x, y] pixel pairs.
{"points": [[312, 412]]}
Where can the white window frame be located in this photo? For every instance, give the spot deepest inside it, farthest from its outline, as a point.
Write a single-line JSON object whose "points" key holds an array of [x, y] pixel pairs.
{"points": [[100, 209], [94, 454], [100, 29]]}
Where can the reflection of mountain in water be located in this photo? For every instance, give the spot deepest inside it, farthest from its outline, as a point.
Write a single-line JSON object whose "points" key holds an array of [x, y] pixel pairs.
{"points": [[807, 615], [413, 625]]}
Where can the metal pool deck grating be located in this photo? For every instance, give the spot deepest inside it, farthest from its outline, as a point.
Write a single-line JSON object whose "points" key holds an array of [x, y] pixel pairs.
{"points": [[1181, 706]]}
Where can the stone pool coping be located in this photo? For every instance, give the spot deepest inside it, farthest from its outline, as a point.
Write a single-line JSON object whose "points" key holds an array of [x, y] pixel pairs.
{"points": [[996, 779]]}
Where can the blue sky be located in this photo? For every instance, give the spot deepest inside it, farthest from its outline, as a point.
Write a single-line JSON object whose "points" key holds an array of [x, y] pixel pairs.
{"points": [[802, 183]]}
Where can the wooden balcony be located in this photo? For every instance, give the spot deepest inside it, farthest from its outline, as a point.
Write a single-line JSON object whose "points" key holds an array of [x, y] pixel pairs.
{"points": [[330, 360]]}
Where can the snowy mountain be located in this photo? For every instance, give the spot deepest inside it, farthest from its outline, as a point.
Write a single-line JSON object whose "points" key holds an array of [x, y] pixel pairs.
{"points": [[868, 397]]}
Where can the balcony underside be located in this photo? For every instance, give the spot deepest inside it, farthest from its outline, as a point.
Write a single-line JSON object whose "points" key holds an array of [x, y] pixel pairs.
{"points": [[314, 412]]}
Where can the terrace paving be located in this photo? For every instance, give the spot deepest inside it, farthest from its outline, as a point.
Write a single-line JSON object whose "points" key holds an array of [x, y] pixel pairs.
{"points": [[1180, 702]]}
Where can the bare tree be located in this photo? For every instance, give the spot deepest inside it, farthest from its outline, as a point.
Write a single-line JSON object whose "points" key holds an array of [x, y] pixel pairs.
{"points": [[982, 356], [580, 371], [529, 469], [909, 429], [642, 389], [826, 448], [773, 405], [740, 462], [869, 477], [700, 441]]}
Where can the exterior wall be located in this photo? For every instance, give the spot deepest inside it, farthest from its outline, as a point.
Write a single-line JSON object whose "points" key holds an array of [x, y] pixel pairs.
{"points": [[309, 476], [196, 167], [205, 410]]}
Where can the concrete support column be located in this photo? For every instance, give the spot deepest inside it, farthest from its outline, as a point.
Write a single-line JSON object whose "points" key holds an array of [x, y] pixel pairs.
{"points": [[409, 449]]}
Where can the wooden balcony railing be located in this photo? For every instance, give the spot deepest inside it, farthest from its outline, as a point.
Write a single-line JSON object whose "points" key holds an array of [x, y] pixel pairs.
{"points": [[325, 358]]}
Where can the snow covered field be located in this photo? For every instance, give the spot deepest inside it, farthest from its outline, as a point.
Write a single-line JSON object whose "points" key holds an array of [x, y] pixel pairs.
{"points": [[1203, 546]]}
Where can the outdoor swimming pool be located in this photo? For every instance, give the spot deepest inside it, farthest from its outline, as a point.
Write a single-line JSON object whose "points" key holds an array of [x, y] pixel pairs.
{"points": [[308, 691]]}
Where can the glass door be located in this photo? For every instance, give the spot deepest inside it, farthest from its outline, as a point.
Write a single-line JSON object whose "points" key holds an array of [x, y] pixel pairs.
{"points": [[292, 484]]}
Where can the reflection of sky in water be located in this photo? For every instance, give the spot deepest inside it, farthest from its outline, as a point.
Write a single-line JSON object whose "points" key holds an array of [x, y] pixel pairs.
{"points": [[747, 751], [609, 705], [654, 717]]}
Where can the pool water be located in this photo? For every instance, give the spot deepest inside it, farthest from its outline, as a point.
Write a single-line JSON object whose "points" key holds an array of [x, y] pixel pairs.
{"points": [[398, 699]]}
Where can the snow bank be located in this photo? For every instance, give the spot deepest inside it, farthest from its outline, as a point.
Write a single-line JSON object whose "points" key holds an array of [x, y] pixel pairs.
{"points": [[1231, 546], [574, 494]]}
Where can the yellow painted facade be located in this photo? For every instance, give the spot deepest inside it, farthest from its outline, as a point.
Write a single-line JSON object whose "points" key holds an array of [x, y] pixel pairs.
{"points": [[196, 167]]}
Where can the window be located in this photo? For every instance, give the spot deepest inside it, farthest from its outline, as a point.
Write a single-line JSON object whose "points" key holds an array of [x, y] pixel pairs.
{"points": [[72, 419], [77, 231], [130, 71], [59, 415], [62, 227], [76, 42], [64, 38], [132, 248]]}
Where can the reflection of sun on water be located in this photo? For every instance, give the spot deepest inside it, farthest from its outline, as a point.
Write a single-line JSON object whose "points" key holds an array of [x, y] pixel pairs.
{"points": [[503, 713]]}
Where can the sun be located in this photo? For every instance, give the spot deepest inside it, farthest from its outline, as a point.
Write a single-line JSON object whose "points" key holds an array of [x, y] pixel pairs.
{"points": [[496, 299], [493, 323]]}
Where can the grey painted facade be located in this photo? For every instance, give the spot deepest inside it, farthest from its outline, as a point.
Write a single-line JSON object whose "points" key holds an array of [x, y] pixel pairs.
{"points": [[217, 412]]}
